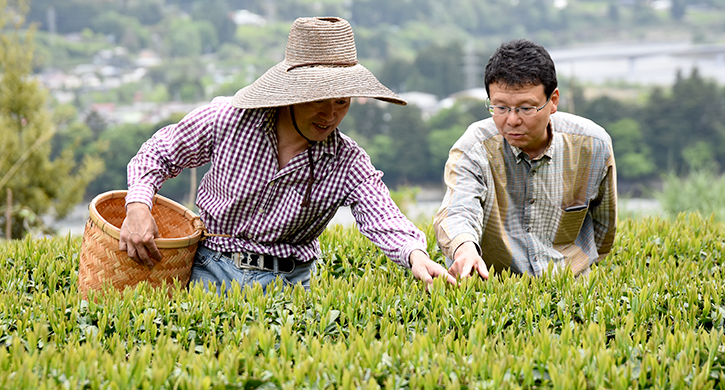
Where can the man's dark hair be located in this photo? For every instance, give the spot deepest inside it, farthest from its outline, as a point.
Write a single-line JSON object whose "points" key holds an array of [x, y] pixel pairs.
{"points": [[521, 62]]}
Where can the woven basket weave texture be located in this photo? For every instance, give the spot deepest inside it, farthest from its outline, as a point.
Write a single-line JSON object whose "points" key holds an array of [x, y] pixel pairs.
{"points": [[102, 262]]}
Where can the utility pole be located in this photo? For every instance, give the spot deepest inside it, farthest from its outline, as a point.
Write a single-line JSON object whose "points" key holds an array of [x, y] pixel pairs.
{"points": [[270, 11], [52, 27], [471, 68]]}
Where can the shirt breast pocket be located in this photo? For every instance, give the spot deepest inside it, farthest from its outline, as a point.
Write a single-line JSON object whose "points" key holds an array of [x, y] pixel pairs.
{"points": [[570, 224]]}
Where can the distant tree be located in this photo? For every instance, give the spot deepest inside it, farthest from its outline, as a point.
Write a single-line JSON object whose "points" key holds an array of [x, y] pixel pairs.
{"points": [[440, 142], [410, 145], [438, 70], [462, 113], [266, 42], [80, 136], [692, 112], [217, 13], [447, 126], [377, 12], [366, 119], [182, 79], [125, 141], [605, 110], [126, 30], [678, 9], [183, 39], [535, 14], [395, 73], [613, 12], [68, 16], [633, 154], [38, 183], [95, 123], [148, 12], [643, 13]]}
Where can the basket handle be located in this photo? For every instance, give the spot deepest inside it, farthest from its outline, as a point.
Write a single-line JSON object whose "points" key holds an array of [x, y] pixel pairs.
{"points": [[199, 226]]}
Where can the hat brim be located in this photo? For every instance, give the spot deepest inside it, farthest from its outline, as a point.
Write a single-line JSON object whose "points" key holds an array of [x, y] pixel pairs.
{"points": [[279, 87]]}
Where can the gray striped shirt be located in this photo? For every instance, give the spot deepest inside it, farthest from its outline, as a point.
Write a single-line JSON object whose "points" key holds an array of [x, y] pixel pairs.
{"points": [[524, 214], [245, 194]]}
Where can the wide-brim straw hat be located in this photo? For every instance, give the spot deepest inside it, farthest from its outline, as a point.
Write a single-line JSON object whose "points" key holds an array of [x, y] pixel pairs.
{"points": [[320, 63]]}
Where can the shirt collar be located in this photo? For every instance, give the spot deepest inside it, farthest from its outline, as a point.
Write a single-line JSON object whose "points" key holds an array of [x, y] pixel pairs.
{"points": [[267, 120], [548, 152]]}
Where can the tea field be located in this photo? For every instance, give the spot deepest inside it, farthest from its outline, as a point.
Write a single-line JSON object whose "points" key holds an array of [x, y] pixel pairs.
{"points": [[651, 315]]}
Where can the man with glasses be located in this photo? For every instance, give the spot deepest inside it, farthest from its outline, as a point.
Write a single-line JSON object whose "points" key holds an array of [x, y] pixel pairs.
{"points": [[530, 187]]}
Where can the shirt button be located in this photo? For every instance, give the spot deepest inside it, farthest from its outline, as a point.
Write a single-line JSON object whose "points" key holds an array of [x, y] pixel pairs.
{"points": [[528, 229], [536, 258], [532, 201]]}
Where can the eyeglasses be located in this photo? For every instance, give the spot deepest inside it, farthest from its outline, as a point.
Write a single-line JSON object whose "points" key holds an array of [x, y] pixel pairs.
{"points": [[522, 111]]}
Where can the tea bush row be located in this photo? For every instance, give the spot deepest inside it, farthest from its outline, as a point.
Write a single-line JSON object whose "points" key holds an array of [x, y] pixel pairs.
{"points": [[651, 315]]}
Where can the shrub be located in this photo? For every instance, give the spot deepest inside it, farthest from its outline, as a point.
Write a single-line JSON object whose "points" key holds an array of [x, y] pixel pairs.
{"points": [[648, 316], [700, 191]]}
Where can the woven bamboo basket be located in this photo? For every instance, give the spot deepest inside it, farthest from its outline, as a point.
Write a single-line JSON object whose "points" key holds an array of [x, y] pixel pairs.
{"points": [[101, 262]]}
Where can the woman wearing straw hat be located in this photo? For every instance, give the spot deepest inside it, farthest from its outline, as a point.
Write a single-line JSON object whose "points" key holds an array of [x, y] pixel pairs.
{"points": [[280, 169]]}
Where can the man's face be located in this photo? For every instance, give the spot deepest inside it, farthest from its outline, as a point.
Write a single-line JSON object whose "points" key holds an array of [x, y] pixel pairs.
{"points": [[529, 133], [316, 120]]}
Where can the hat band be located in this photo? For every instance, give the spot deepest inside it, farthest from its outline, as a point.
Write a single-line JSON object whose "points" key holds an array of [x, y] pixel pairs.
{"points": [[323, 64]]}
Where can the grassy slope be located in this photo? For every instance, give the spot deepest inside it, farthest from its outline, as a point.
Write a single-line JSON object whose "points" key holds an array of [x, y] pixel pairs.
{"points": [[650, 315]]}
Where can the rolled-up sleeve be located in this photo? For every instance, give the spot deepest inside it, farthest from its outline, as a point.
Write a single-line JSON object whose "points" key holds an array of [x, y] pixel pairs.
{"points": [[460, 217], [381, 221], [604, 215], [171, 149]]}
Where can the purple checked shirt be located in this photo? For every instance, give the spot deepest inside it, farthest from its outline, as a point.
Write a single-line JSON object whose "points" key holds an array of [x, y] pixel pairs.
{"points": [[245, 194]]}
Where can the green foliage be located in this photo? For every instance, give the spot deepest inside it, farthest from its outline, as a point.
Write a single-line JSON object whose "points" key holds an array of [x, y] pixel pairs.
{"points": [[38, 183], [404, 197], [189, 38], [439, 145], [410, 45], [264, 42], [633, 155], [700, 191], [676, 121], [651, 315], [127, 31], [437, 70], [124, 142]]}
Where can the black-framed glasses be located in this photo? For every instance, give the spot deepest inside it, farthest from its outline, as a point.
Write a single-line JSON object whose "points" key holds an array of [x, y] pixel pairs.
{"points": [[522, 111]]}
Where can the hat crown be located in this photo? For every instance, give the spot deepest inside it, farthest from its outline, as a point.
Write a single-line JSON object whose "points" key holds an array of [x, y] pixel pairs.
{"points": [[320, 41]]}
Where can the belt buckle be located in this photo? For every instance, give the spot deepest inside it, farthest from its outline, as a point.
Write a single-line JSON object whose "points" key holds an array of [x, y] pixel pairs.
{"points": [[241, 260], [294, 266], [259, 259], [244, 260]]}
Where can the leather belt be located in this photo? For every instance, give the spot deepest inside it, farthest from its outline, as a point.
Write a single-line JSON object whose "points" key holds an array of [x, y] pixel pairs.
{"points": [[263, 262]]}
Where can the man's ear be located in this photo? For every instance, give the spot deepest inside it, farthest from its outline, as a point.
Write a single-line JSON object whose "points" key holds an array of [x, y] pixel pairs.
{"points": [[554, 101]]}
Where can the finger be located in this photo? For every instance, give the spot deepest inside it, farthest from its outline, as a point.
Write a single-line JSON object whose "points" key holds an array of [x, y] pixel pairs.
{"points": [[154, 252], [482, 270], [454, 270], [144, 257], [131, 252], [421, 273], [440, 271], [466, 271]]}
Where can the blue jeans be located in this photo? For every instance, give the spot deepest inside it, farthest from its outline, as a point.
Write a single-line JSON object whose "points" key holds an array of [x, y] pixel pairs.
{"points": [[211, 267]]}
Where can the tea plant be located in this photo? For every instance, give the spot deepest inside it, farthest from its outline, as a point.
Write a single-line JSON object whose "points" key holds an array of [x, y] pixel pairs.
{"points": [[651, 315]]}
